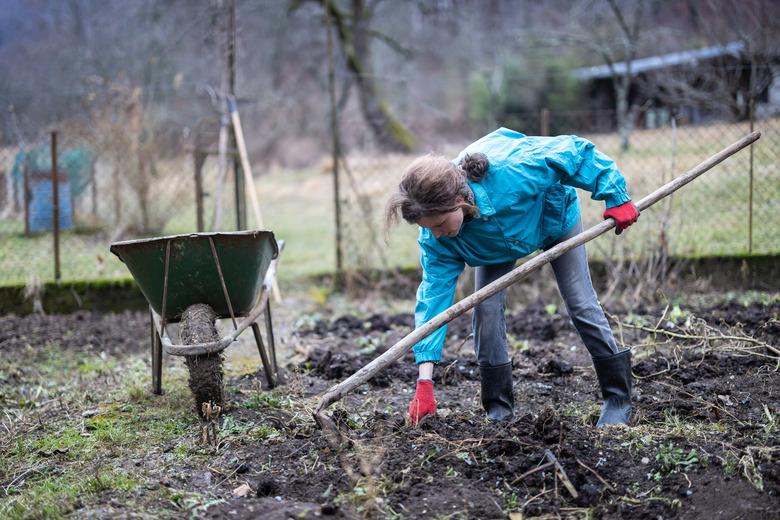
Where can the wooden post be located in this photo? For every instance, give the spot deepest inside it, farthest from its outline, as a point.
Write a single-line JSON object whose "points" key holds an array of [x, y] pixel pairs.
{"points": [[55, 195], [246, 167], [26, 197], [199, 158], [93, 189], [752, 115], [544, 122], [231, 63], [117, 194], [336, 156]]}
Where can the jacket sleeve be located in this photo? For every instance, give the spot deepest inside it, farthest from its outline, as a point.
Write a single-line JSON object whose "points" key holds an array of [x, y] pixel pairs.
{"points": [[441, 269], [579, 164]]}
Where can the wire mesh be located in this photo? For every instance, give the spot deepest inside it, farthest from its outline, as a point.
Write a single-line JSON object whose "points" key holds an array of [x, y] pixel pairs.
{"points": [[718, 214], [120, 181]]}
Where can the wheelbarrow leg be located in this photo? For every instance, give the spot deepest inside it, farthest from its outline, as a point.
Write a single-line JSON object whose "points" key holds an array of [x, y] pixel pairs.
{"points": [[269, 333], [156, 358], [263, 356]]}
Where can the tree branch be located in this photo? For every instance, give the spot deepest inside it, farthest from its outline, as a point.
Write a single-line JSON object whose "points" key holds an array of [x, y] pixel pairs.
{"points": [[394, 45]]}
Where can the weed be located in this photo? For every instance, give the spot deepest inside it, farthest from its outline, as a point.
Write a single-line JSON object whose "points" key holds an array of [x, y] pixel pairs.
{"points": [[462, 455], [265, 432], [430, 455], [96, 366], [672, 460], [584, 413], [369, 344], [769, 423], [270, 399], [512, 502], [677, 315], [517, 344], [637, 442], [231, 426], [635, 320]]}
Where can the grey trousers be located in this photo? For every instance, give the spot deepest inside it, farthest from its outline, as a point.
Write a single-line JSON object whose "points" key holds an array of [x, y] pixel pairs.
{"points": [[576, 288]]}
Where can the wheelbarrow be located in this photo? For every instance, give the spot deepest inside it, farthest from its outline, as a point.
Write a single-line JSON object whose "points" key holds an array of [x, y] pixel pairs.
{"points": [[194, 280]]}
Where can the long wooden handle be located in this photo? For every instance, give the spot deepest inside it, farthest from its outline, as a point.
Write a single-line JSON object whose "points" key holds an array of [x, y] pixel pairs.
{"points": [[249, 178], [399, 349], [245, 166]]}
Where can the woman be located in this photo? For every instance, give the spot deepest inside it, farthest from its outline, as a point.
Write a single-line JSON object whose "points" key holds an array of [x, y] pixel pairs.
{"points": [[504, 197]]}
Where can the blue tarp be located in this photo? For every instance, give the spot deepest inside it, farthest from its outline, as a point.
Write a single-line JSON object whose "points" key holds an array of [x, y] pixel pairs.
{"points": [[41, 210], [76, 162]]}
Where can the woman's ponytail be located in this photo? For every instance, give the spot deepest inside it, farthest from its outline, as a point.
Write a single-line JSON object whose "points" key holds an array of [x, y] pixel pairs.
{"points": [[475, 165]]}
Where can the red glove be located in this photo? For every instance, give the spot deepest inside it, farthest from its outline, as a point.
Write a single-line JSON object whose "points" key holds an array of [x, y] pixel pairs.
{"points": [[623, 215], [423, 403]]}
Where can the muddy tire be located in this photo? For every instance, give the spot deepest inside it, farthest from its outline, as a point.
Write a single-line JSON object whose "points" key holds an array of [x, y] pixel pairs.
{"points": [[198, 326]]}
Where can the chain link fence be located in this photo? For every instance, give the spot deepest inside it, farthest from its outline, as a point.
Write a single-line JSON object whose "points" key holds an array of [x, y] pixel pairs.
{"points": [[119, 181], [112, 184], [731, 210]]}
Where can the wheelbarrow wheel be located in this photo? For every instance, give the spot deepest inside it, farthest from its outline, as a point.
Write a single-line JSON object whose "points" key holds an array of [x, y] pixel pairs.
{"points": [[198, 326]]}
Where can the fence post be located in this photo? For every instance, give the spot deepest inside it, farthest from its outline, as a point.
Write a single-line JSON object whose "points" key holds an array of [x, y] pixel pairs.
{"points": [[199, 159], [240, 200], [55, 195], [26, 197], [544, 122], [334, 126], [93, 190], [752, 115]]}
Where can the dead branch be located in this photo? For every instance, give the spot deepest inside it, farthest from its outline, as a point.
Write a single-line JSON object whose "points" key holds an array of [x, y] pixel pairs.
{"points": [[561, 473], [531, 472]]}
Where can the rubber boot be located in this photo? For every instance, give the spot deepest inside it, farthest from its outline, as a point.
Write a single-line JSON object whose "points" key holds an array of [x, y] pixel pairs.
{"points": [[614, 373], [497, 397]]}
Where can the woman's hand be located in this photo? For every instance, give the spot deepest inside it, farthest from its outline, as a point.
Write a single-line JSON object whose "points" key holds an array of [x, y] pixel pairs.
{"points": [[423, 403], [623, 215]]}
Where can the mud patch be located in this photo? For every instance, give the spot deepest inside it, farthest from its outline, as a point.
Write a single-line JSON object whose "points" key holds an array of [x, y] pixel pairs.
{"points": [[205, 371]]}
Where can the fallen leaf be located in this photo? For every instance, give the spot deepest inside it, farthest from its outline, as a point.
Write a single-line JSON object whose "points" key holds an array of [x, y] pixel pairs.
{"points": [[242, 490]]}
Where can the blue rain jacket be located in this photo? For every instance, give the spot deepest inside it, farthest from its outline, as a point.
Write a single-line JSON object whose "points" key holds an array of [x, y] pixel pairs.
{"points": [[526, 201]]}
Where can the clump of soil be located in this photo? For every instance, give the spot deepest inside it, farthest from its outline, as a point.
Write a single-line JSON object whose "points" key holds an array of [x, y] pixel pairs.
{"points": [[205, 371]]}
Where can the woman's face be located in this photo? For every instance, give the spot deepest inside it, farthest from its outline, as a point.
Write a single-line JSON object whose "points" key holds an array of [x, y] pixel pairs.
{"points": [[447, 224]]}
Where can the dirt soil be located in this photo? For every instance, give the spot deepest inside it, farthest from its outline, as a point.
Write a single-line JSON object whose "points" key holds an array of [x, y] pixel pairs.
{"points": [[704, 442]]}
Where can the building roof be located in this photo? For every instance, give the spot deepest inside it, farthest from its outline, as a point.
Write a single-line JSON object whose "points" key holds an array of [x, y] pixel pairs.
{"points": [[660, 62]]}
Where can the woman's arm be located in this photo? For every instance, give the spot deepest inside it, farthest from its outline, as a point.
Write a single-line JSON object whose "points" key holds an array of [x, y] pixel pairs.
{"points": [[437, 289], [578, 163], [441, 269], [426, 370]]}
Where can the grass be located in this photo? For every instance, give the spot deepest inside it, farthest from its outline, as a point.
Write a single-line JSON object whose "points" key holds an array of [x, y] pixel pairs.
{"points": [[708, 217], [71, 461]]}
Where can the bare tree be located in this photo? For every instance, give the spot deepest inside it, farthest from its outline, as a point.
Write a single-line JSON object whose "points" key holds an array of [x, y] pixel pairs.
{"points": [[355, 35], [613, 30], [746, 63]]}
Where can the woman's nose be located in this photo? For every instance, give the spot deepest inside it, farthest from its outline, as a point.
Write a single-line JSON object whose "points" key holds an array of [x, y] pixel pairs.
{"points": [[437, 234]]}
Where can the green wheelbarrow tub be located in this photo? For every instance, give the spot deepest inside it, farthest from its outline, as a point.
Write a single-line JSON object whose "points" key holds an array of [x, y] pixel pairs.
{"points": [[244, 257]]}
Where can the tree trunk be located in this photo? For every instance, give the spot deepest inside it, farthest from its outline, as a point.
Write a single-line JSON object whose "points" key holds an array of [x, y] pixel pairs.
{"points": [[389, 132], [623, 119]]}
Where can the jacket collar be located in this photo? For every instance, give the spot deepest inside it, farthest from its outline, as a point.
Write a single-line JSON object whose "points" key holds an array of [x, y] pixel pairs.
{"points": [[481, 199]]}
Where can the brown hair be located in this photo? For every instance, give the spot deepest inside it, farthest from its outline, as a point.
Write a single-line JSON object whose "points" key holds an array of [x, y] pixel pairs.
{"points": [[432, 184]]}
